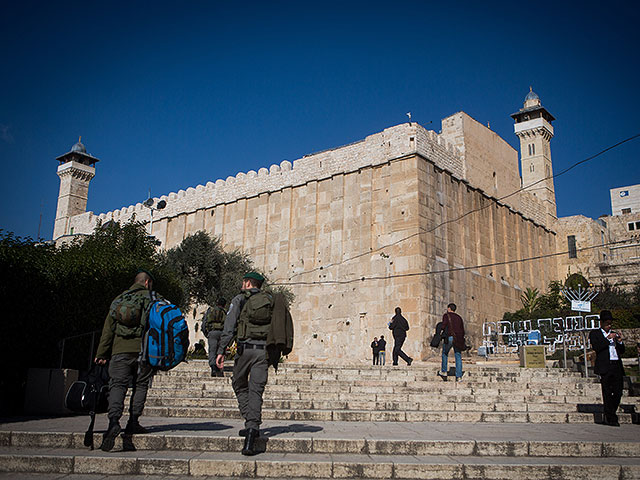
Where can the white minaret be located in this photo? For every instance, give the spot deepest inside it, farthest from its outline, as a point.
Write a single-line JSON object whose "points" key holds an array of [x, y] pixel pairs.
{"points": [[533, 127], [76, 169]]}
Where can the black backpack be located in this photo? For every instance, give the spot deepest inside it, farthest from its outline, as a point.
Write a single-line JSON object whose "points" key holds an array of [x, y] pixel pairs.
{"points": [[438, 336], [90, 395]]}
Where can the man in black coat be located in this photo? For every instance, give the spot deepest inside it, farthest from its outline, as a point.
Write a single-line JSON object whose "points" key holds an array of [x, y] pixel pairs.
{"points": [[399, 327], [609, 348]]}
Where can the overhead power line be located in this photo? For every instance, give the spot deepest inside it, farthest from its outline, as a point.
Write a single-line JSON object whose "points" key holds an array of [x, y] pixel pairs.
{"points": [[470, 212], [448, 270]]}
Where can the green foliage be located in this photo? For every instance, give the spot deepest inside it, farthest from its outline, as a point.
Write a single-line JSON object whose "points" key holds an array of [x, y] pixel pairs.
{"points": [[206, 272], [624, 306], [576, 281], [52, 293], [530, 300]]}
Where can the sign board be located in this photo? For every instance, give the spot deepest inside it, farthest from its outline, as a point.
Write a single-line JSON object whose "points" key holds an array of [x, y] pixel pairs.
{"points": [[532, 356], [580, 306]]}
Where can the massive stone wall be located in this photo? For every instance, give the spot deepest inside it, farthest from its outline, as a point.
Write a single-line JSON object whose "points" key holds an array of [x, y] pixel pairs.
{"points": [[388, 209], [391, 143], [490, 163]]}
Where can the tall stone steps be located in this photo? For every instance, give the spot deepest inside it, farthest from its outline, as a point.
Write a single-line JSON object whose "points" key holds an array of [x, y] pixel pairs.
{"points": [[370, 393], [279, 404], [317, 466], [386, 415], [316, 456], [200, 368], [310, 444], [338, 393]]}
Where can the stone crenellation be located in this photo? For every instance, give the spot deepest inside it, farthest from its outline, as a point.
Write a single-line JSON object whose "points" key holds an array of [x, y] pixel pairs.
{"points": [[379, 148]]}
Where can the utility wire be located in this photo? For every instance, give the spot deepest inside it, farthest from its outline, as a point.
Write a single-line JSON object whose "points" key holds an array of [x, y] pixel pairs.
{"points": [[449, 270], [461, 216]]}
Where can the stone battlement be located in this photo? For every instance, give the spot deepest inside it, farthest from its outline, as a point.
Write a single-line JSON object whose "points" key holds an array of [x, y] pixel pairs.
{"points": [[376, 149]]}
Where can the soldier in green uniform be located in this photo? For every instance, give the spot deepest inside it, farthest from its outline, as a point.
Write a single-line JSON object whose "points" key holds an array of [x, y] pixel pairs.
{"points": [[121, 343], [250, 316], [212, 324]]}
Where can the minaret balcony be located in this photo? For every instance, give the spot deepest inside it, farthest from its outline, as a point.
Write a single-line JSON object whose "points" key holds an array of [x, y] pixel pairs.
{"points": [[533, 124]]}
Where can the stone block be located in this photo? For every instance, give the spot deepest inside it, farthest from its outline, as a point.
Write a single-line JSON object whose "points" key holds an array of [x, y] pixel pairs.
{"points": [[163, 466], [580, 472], [332, 445], [36, 463], [494, 471], [42, 440], [110, 465], [565, 449], [227, 467], [427, 471], [294, 468], [501, 449], [362, 470], [621, 449]]}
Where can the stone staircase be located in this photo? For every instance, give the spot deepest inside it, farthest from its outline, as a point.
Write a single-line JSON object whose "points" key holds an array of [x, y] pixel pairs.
{"points": [[500, 422], [392, 394]]}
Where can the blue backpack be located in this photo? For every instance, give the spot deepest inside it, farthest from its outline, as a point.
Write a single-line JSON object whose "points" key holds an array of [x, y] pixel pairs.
{"points": [[166, 339]]}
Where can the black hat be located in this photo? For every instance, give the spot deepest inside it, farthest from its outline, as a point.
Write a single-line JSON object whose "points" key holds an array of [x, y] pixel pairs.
{"points": [[143, 270], [606, 315]]}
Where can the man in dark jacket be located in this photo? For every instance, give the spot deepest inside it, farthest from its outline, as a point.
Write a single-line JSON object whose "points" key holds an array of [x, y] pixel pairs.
{"points": [[609, 348], [121, 342], [375, 350], [399, 327], [453, 336]]}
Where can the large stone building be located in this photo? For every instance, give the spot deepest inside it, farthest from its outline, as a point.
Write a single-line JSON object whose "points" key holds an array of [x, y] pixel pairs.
{"points": [[605, 250], [405, 217]]}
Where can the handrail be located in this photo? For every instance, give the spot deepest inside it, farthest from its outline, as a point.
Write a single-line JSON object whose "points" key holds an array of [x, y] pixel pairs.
{"points": [[63, 341]]}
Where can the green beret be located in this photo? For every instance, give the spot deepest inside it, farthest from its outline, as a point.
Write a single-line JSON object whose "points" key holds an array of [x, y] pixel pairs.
{"points": [[142, 270], [255, 276]]}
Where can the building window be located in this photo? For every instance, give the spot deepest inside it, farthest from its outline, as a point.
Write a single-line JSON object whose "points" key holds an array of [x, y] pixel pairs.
{"points": [[631, 226], [637, 225], [626, 210], [571, 243], [531, 168], [533, 149], [71, 231], [547, 171]]}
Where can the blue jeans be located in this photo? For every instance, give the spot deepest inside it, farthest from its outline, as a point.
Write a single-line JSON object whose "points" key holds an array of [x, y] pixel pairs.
{"points": [[445, 357], [381, 357]]}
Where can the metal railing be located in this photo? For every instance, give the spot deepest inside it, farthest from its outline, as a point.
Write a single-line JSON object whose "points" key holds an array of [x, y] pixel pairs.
{"points": [[64, 341]]}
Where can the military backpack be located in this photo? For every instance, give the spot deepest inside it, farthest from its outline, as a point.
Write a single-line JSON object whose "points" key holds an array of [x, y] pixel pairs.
{"points": [[127, 310], [255, 316]]}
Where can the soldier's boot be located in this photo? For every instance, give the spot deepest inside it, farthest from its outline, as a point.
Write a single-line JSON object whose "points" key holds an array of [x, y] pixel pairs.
{"points": [[109, 437], [133, 426], [127, 443], [250, 442]]}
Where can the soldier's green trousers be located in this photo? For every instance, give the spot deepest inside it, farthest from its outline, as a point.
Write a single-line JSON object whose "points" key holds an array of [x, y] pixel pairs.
{"points": [[250, 373], [123, 372]]}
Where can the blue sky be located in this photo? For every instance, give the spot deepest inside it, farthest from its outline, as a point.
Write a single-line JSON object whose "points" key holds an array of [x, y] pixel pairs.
{"points": [[174, 94]]}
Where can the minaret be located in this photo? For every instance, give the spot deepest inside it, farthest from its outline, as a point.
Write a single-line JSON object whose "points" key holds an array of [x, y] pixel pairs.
{"points": [[76, 169], [533, 127]]}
